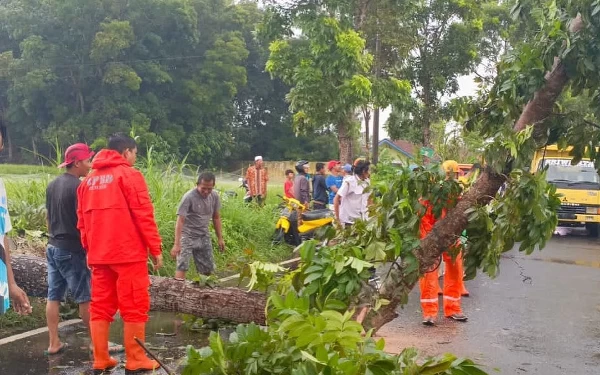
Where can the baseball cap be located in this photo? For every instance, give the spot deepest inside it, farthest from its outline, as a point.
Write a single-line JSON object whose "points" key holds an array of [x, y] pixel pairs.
{"points": [[347, 168], [332, 163], [77, 152]]}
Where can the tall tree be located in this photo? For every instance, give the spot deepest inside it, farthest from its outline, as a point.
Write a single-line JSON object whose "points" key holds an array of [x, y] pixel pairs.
{"points": [[329, 71], [166, 70], [450, 40]]}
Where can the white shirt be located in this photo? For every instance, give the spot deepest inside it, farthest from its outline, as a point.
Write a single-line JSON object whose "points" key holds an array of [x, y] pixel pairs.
{"points": [[5, 225], [354, 199]]}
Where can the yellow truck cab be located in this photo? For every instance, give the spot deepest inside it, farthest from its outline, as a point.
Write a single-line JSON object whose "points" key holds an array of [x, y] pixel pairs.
{"points": [[579, 185]]}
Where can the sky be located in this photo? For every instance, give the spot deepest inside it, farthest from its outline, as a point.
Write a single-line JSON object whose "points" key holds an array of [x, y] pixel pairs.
{"points": [[466, 87]]}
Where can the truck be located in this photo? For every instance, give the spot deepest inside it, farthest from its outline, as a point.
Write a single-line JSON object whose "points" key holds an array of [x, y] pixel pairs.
{"points": [[578, 184]]}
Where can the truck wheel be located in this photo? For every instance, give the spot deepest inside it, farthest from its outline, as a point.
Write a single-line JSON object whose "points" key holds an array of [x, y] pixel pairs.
{"points": [[592, 229]]}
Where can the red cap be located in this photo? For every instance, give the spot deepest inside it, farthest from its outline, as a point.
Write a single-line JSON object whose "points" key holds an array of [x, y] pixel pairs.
{"points": [[332, 163], [77, 152]]}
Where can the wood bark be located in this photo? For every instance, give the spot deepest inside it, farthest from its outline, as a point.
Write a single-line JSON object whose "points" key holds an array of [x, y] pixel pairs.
{"points": [[166, 294], [446, 231], [345, 139], [242, 307]]}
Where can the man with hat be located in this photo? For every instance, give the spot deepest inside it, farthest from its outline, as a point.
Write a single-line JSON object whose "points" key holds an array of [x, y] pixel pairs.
{"points": [[346, 170], [67, 264], [257, 178], [334, 180]]}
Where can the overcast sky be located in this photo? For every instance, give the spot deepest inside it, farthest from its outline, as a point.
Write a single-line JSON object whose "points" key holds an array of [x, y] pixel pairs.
{"points": [[466, 88]]}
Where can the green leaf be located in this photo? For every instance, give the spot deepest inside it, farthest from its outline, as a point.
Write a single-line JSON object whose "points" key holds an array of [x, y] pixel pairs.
{"points": [[309, 357]]}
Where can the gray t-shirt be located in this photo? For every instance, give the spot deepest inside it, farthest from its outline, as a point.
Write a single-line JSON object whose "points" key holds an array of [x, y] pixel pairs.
{"points": [[198, 212]]}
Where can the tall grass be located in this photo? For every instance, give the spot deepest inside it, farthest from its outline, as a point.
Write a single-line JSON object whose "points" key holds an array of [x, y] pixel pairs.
{"points": [[247, 229], [29, 171]]}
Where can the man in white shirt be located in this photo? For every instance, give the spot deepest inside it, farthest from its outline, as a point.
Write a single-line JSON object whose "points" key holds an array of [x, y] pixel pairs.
{"points": [[351, 201]]}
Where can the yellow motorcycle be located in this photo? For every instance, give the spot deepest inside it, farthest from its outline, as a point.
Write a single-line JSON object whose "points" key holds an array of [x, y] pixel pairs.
{"points": [[294, 230]]}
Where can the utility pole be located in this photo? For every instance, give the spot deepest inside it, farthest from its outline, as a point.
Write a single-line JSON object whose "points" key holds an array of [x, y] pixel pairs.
{"points": [[375, 137]]}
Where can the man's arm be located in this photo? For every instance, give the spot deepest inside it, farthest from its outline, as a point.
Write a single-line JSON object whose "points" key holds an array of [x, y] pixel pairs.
{"points": [[305, 192], [47, 211], [336, 207], [80, 218], [178, 229], [140, 206], [20, 300], [250, 181], [338, 200], [331, 182], [219, 230]]}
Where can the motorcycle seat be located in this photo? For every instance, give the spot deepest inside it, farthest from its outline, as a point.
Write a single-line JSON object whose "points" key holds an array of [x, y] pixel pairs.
{"points": [[316, 215]]}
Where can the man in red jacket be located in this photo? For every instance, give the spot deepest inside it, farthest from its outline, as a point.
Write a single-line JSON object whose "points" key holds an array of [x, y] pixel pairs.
{"points": [[116, 221]]}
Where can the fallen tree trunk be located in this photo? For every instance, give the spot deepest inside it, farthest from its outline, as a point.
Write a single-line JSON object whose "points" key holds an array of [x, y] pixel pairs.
{"points": [[445, 231], [242, 307], [166, 294]]}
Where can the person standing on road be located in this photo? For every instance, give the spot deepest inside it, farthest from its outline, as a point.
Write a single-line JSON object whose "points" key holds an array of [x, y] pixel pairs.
{"points": [[67, 263], [453, 274], [117, 226], [257, 178], [192, 237], [11, 291], [351, 201], [301, 184], [334, 180], [320, 196]]}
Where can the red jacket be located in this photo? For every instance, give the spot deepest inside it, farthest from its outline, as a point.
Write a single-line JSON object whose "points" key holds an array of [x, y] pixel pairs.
{"points": [[115, 214]]}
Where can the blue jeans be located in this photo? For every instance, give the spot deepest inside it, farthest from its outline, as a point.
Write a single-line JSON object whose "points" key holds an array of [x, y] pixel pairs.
{"points": [[67, 269]]}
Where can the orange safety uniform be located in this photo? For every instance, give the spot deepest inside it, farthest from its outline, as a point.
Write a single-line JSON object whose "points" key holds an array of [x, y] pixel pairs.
{"points": [[429, 284], [116, 221]]}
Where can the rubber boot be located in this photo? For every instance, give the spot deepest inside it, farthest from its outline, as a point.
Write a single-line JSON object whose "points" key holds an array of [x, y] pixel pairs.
{"points": [[103, 362], [137, 362]]}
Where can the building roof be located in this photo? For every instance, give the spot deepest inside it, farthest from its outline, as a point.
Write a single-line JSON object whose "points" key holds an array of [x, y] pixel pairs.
{"points": [[400, 145]]}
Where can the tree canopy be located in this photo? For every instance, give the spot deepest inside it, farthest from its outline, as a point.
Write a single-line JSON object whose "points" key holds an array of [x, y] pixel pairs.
{"points": [[186, 76]]}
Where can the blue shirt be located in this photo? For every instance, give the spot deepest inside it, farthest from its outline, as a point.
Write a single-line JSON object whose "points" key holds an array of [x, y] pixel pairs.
{"points": [[331, 181]]}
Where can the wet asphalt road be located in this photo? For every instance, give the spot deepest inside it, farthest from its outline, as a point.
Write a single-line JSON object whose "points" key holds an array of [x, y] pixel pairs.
{"points": [[541, 315], [164, 336]]}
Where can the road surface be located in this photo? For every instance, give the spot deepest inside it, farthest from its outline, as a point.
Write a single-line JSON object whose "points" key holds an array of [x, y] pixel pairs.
{"points": [[541, 315]]}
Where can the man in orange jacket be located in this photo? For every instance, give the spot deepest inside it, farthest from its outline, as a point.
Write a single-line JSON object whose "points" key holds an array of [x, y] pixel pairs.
{"points": [[116, 222], [453, 276]]}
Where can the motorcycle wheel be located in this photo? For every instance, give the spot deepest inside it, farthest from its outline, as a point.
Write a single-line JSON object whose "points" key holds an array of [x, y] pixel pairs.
{"points": [[278, 236]]}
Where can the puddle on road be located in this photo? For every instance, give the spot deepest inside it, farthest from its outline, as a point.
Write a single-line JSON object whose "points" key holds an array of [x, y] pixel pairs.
{"points": [[26, 356]]}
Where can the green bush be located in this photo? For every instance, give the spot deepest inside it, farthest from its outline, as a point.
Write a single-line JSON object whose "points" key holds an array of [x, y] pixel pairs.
{"points": [[247, 229]]}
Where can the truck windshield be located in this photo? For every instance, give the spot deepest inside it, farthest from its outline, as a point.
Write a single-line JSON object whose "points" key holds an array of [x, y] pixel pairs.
{"points": [[561, 172]]}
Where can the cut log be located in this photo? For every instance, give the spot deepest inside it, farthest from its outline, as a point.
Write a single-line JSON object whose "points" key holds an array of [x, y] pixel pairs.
{"points": [[166, 294]]}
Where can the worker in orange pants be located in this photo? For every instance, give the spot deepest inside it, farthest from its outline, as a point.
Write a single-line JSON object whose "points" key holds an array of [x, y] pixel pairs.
{"points": [[463, 290], [452, 289], [118, 231], [453, 277]]}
